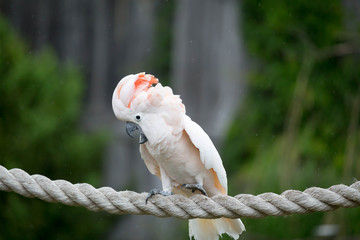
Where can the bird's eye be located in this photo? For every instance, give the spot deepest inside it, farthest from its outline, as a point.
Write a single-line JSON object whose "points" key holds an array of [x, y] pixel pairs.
{"points": [[138, 118]]}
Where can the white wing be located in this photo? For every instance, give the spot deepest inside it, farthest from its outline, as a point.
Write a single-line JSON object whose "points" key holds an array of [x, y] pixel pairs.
{"points": [[150, 162], [208, 154]]}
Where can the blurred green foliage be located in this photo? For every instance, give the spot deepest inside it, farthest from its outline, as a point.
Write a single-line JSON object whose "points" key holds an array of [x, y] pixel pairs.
{"points": [[299, 124], [39, 133], [161, 61]]}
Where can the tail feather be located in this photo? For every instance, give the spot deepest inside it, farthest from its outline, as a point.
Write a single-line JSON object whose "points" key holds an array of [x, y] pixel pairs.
{"points": [[211, 229]]}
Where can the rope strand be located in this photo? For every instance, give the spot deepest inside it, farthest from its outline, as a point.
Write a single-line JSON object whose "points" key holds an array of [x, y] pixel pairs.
{"points": [[313, 199]]}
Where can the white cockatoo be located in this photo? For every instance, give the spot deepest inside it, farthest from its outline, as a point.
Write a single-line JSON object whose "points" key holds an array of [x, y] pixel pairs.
{"points": [[174, 148]]}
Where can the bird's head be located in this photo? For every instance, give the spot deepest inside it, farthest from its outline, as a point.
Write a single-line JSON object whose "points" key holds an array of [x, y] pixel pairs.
{"points": [[145, 105]]}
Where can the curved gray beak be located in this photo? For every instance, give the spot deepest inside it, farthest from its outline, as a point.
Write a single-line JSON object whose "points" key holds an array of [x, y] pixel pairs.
{"points": [[131, 127]]}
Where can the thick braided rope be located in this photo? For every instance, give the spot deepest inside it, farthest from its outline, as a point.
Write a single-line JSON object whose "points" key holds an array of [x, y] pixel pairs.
{"points": [[313, 199]]}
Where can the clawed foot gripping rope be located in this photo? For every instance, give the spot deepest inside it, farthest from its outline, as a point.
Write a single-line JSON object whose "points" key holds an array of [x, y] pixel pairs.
{"points": [[313, 199]]}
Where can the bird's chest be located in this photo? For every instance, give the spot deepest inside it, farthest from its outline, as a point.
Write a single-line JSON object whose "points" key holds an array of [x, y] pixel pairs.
{"points": [[166, 153], [179, 159]]}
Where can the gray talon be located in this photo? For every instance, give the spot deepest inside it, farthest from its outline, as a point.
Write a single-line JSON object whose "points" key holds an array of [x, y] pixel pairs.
{"points": [[194, 187], [157, 191]]}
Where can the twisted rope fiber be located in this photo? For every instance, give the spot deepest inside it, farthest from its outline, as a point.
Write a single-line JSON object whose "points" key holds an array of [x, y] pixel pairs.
{"points": [[313, 199]]}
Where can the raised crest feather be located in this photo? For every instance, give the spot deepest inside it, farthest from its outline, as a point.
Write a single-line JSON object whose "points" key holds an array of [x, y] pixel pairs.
{"points": [[132, 85]]}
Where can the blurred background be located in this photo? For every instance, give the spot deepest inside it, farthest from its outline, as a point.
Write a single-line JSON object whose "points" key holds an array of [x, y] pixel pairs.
{"points": [[275, 83]]}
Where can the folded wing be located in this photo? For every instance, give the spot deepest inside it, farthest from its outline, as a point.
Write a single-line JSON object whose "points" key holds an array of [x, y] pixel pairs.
{"points": [[208, 154]]}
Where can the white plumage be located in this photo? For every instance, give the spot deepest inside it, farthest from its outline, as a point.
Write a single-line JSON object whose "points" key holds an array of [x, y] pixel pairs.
{"points": [[177, 150]]}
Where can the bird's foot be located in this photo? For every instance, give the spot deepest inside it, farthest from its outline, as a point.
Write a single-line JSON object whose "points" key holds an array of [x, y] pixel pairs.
{"points": [[194, 187], [157, 191]]}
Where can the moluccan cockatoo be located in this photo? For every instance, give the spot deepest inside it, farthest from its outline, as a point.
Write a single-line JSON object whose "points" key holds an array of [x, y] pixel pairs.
{"points": [[174, 148]]}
